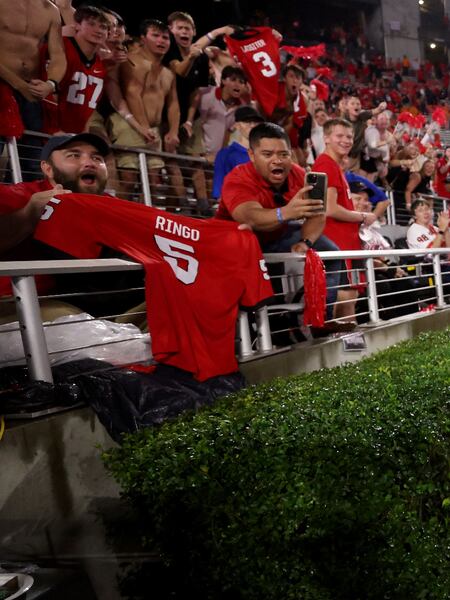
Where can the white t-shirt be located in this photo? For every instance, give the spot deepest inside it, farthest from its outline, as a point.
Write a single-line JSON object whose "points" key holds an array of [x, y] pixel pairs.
{"points": [[421, 236]]}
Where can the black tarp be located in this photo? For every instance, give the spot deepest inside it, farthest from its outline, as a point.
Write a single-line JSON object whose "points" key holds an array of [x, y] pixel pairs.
{"points": [[124, 400]]}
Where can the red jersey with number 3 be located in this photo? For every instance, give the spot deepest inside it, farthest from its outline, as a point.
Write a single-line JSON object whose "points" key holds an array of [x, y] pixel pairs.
{"points": [[257, 50], [197, 272], [80, 91]]}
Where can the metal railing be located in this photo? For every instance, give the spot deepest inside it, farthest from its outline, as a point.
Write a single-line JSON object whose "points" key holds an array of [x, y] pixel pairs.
{"points": [[398, 214], [182, 184], [251, 341]]}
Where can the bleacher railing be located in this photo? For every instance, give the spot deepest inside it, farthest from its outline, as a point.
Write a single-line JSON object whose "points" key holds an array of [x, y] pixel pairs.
{"points": [[259, 344], [253, 339], [182, 181], [177, 187]]}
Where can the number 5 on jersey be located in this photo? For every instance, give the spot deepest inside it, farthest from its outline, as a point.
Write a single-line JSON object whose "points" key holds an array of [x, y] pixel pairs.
{"points": [[175, 251]]}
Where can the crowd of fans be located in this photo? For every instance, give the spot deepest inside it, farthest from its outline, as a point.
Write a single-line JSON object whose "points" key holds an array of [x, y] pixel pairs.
{"points": [[170, 90]]}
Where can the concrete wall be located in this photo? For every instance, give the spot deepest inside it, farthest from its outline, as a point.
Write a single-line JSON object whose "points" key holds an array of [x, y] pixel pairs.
{"points": [[53, 493], [382, 26], [56, 499]]}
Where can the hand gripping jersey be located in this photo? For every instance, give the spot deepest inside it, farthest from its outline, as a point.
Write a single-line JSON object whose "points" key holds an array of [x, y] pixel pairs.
{"points": [[79, 92], [197, 272], [257, 50]]}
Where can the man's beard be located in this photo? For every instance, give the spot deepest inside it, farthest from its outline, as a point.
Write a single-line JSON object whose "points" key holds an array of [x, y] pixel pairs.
{"points": [[75, 185]]}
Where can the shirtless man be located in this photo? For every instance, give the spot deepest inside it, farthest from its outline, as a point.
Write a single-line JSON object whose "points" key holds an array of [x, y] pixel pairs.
{"points": [[23, 25], [188, 60], [147, 87], [67, 12]]}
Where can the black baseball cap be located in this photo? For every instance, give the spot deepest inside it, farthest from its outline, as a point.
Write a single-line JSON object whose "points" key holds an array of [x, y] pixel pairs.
{"points": [[247, 114], [58, 142], [359, 186]]}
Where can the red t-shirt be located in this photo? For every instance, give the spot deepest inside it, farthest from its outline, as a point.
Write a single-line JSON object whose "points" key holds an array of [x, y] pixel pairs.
{"points": [[197, 272], [244, 184], [258, 51], [440, 178], [12, 198], [343, 233], [80, 91]]}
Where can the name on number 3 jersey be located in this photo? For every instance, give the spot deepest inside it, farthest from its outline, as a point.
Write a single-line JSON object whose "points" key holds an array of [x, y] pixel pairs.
{"points": [[198, 273], [257, 50], [80, 91]]}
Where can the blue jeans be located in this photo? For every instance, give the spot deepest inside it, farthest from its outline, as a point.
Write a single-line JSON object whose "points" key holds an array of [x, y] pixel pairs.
{"points": [[292, 236]]}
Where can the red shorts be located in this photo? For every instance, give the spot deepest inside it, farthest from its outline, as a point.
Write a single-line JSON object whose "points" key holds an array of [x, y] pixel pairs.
{"points": [[10, 121]]}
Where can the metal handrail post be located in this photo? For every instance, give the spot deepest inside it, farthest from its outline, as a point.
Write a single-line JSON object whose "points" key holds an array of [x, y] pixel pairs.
{"points": [[31, 328], [245, 341], [263, 330], [437, 272], [372, 292], [13, 154], [390, 214], [143, 171]]}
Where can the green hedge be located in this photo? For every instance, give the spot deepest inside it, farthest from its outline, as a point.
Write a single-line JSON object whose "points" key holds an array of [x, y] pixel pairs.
{"points": [[333, 485]]}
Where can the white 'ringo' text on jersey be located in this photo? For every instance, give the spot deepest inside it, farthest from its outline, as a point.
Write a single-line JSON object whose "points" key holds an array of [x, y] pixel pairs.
{"points": [[178, 229]]}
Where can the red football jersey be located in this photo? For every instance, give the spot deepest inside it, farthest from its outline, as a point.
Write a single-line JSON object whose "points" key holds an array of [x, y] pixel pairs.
{"points": [[197, 272], [257, 50], [12, 198], [80, 91]]}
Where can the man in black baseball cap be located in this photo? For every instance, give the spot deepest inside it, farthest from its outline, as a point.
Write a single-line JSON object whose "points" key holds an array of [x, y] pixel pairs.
{"points": [[245, 118], [76, 162], [70, 163], [59, 141], [359, 187], [247, 114]]}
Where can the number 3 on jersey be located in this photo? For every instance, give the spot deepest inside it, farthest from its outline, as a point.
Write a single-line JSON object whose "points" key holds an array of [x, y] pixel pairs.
{"points": [[269, 69], [170, 248], [77, 91]]}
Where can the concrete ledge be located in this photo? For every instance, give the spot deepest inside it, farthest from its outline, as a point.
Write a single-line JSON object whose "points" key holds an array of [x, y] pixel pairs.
{"points": [[320, 353]]}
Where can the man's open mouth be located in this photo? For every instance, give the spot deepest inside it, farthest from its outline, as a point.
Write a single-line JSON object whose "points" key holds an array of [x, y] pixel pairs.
{"points": [[88, 178]]}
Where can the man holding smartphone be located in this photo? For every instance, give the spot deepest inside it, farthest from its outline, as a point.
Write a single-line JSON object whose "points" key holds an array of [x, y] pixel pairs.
{"points": [[268, 193]]}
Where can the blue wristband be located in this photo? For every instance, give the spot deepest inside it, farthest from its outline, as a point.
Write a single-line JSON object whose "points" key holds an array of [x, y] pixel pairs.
{"points": [[279, 215]]}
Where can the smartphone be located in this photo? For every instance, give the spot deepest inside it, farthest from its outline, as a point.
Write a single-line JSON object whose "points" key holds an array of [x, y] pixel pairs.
{"points": [[319, 183]]}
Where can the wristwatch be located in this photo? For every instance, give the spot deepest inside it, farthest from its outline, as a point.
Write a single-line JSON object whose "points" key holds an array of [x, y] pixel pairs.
{"points": [[306, 242], [55, 85]]}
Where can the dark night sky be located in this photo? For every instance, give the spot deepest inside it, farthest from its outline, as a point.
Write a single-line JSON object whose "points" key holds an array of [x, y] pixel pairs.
{"points": [[207, 14]]}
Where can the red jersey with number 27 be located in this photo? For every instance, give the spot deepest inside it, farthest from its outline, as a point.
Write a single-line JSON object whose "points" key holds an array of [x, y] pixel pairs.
{"points": [[257, 50], [197, 272], [80, 91]]}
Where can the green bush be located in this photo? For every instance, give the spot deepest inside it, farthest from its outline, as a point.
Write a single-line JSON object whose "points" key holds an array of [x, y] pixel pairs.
{"points": [[333, 485]]}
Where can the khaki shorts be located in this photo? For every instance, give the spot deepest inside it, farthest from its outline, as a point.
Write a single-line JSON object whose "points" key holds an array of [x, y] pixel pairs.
{"points": [[97, 122], [193, 146], [50, 310], [124, 135]]}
